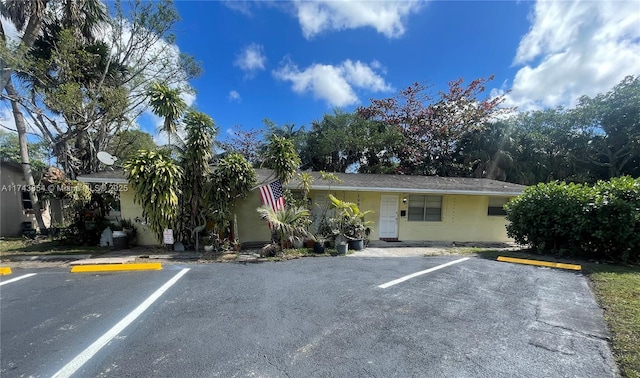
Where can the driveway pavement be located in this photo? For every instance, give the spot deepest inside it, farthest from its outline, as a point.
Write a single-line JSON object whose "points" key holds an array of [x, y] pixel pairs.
{"points": [[314, 317]]}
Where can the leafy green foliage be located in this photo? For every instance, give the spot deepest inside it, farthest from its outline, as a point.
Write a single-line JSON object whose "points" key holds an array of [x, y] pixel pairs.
{"points": [[349, 220], [10, 151], [232, 178], [282, 158], [168, 104], [156, 180], [345, 141], [288, 223], [432, 128], [126, 143], [195, 162], [578, 220]]}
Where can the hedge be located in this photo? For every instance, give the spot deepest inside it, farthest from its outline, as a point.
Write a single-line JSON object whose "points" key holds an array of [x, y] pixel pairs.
{"points": [[595, 222]]}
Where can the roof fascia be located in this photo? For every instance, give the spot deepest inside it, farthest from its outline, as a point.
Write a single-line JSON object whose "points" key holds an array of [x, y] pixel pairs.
{"points": [[102, 180], [410, 190]]}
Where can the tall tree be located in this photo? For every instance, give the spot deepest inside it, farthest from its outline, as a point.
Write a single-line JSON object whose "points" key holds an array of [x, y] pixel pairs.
{"points": [[612, 122], [282, 157], [27, 18], [201, 132], [432, 127], [97, 83], [246, 143], [343, 141], [124, 144], [167, 103]]}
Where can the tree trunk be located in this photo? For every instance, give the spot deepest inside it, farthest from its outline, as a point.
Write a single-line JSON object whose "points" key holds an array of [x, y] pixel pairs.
{"points": [[28, 38], [21, 127]]}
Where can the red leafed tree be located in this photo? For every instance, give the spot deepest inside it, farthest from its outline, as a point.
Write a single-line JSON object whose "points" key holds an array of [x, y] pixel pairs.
{"points": [[246, 143], [432, 127]]}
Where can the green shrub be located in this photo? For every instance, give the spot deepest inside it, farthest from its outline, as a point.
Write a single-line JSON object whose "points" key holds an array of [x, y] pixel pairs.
{"points": [[600, 222], [613, 221]]}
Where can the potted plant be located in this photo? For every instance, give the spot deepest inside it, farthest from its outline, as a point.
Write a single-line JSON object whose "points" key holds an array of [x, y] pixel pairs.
{"points": [[350, 222], [129, 228], [319, 244]]}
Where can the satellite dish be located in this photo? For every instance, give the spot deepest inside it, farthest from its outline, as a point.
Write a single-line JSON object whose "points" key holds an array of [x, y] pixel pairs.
{"points": [[106, 158]]}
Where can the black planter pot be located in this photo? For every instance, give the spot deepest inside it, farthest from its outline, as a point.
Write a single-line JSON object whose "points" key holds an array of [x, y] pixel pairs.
{"points": [[356, 245], [318, 247]]}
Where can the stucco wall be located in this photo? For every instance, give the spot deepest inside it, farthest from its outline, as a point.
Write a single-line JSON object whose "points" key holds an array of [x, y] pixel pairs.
{"points": [[130, 210], [250, 227], [11, 212], [464, 218]]}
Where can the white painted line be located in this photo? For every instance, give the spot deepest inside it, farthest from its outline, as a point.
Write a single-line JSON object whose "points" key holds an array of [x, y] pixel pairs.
{"points": [[92, 349], [410, 276], [17, 278]]}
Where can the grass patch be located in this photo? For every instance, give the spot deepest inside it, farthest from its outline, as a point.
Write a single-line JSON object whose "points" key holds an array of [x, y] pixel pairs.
{"points": [[617, 290], [22, 247]]}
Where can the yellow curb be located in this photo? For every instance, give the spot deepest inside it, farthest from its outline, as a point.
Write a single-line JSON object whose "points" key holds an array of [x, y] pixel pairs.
{"points": [[5, 270], [115, 267], [540, 263]]}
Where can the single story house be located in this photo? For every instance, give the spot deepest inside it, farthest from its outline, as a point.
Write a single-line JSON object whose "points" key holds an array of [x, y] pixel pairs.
{"points": [[16, 213], [407, 208]]}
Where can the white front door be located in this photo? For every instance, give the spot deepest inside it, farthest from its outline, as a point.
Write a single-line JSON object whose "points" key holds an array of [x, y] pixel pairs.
{"points": [[388, 216]]}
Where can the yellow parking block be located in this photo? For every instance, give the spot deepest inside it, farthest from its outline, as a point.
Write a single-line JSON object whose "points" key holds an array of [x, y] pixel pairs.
{"points": [[4, 270], [540, 263], [115, 267]]}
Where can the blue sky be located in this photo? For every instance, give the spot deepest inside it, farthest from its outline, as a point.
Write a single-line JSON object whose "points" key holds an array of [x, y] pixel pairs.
{"points": [[441, 41], [293, 61]]}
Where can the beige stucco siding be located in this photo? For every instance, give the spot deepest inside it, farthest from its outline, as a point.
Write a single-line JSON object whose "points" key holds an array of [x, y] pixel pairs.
{"points": [[250, 227], [130, 210], [464, 219], [11, 212]]}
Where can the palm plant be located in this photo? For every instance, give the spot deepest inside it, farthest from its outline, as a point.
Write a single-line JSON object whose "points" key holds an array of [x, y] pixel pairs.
{"points": [[167, 103], [349, 222], [288, 223]]}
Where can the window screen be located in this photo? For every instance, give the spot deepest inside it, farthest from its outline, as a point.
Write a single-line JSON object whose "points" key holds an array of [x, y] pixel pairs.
{"points": [[496, 206], [26, 201], [425, 208]]}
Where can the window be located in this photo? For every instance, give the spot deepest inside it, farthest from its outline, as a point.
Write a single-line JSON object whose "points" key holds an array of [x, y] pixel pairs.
{"points": [[26, 201], [425, 208], [496, 206]]}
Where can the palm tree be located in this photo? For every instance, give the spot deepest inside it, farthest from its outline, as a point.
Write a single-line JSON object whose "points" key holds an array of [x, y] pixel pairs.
{"points": [[289, 223], [27, 16], [167, 103]]}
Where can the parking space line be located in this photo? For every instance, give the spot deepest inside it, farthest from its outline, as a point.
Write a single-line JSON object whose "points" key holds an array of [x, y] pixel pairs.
{"points": [[92, 349], [410, 276], [17, 278]]}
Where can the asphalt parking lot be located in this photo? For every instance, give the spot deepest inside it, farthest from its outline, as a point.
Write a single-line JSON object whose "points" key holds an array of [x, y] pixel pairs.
{"points": [[313, 317]]}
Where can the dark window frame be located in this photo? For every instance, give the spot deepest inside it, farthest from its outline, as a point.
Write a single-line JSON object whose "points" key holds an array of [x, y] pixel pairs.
{"points": [[427, 212]]}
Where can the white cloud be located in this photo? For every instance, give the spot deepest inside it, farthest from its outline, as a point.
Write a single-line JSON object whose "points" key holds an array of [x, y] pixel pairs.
{"points": [[334, 84], [234, 96], [251, 59], [573, 49], [386, 17]]}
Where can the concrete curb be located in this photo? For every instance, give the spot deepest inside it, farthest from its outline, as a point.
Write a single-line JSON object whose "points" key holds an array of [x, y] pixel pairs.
{"points": [[539, 263], [115, 267]]}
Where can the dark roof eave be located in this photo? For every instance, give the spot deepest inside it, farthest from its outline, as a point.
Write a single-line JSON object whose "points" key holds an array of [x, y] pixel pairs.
{"points": [[414, 190]]}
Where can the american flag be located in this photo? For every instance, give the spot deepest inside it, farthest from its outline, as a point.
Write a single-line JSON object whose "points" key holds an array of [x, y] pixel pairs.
{"points": [[272, 195]]}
